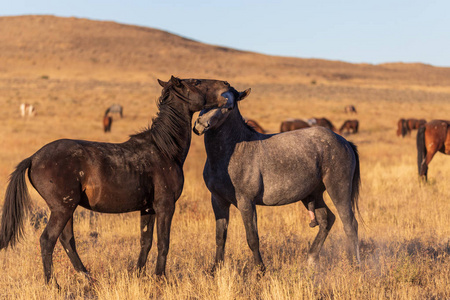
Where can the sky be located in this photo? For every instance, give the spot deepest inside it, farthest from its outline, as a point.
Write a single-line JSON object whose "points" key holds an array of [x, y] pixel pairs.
{"points": [[356, 31]]}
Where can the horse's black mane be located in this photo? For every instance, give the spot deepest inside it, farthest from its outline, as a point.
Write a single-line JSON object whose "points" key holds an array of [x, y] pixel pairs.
{"points": [[167, 127]]}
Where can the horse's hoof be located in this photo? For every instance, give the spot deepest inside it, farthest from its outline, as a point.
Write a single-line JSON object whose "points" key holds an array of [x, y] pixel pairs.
{"points": [[212, 271], [90, 279], [261, 272]]}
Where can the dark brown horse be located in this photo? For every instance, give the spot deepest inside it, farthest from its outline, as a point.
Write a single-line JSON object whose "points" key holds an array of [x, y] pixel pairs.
{"points": [[432, 137], [255, 125], [107, 122], [142, 174], [350, 126], [293, 124]]}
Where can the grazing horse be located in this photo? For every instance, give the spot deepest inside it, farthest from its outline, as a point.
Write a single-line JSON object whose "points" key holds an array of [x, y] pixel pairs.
{"points": [[116, 109], [432, 137], [107, 122], [246, 168], [414, 124], [27, 110], [255, 125], [350, 109], [405, 126], [325, 123], [293, 124], [402, 128], [142, 174], [350, 126]]}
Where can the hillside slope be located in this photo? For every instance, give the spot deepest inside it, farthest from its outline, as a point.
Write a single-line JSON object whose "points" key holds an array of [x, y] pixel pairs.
{"points": [[78, 48]]}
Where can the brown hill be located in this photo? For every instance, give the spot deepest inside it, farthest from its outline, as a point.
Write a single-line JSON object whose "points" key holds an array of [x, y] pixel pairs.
{"points": [[71, 47]]}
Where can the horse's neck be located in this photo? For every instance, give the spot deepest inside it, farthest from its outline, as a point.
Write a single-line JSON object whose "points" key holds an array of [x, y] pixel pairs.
{"points": [[171, 130], [220, 142]]}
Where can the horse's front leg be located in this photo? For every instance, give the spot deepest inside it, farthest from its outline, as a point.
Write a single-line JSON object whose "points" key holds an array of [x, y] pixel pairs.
{"points": [[222, 214], [164, 209], [147, 224], [248, 213]]}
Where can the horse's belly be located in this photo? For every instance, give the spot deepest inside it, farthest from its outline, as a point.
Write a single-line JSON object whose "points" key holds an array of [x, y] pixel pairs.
{"points": [[286, 190], [115, 201]]}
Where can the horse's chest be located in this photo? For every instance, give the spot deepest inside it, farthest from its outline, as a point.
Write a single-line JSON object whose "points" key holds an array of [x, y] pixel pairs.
{"points": [[218, 181]]}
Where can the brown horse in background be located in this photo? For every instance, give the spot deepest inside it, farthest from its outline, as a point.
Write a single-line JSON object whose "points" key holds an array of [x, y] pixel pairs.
{"points": [[255, 125], [432, 137], [414, 124], [350, 126], [350, 109], [107, 122], [325, 123], [293, 124], [405, 126]]}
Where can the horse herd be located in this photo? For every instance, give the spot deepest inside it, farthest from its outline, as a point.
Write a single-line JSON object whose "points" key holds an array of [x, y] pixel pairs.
{"points": [[244, 168], [349, 126]]}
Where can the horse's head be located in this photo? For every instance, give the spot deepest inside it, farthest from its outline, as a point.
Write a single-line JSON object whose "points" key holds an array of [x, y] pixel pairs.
{"points": [[214, 117], [200, 93]]}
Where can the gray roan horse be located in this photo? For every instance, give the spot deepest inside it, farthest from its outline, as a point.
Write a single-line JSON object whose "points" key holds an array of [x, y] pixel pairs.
{"points": [[142, 174], [246, 168]]}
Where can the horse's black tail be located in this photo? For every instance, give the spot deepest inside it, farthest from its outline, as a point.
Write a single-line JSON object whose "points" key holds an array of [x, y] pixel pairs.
{"points": [[421, 152], [16, 206], [356, 183]]}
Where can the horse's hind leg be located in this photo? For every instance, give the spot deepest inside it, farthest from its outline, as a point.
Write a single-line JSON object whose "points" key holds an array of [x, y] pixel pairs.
{"points": [[57, 222], [147, 225], [340, 194], [248, 213], [326, 219], [67, 240]]}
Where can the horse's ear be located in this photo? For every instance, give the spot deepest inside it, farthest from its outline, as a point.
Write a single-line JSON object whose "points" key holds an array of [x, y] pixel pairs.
{"points": [[244, 94], [176, 81], [162, 83]]}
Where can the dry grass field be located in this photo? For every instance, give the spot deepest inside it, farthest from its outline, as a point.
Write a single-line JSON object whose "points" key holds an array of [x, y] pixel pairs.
{"points": [[73, 69]]}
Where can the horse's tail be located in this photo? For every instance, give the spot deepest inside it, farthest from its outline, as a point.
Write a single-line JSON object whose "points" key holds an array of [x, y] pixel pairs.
{"points": [[16, 206], [421, 151], [356, 183]]}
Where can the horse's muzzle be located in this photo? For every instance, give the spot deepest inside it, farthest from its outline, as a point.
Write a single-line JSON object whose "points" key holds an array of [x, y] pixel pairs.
{"points": [[199, 128]]}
